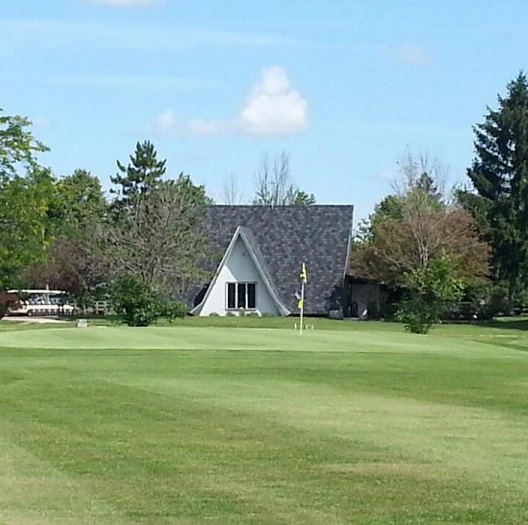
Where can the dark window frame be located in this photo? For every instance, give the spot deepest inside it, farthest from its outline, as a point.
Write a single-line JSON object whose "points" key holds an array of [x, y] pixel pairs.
{"points": [[241, 296]]}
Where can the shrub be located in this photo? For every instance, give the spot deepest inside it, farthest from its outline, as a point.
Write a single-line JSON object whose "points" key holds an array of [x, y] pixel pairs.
{"points": [[417, 315], [136, 302], [214, 314], [432, 290], [174, 310]]}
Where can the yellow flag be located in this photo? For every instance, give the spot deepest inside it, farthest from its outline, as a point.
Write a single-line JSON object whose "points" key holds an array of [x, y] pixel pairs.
{"points": [[301, 304], [304, 274]]}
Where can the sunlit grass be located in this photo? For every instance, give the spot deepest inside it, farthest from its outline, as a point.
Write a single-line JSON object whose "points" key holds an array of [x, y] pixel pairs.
{"points": [[365, 425]]}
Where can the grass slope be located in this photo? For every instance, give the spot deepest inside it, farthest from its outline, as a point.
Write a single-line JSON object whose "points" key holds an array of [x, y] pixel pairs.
{"points": [[207, 425]]}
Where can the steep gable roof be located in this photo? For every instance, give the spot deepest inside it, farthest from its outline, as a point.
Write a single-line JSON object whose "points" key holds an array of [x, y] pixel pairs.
{"points": [[258, 260], [282, 238]]}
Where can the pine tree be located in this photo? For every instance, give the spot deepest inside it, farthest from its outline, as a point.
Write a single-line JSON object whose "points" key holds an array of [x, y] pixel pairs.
{"points": [[499, 175], [135, 181]]}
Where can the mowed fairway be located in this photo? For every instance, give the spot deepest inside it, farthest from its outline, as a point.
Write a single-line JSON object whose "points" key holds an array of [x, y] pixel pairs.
{"points": [[223, 425]]}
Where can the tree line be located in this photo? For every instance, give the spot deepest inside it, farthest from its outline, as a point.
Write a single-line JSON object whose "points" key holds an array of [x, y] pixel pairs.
{"points": [[436, 247], [65, 233], [433, 247], [142, 244]]}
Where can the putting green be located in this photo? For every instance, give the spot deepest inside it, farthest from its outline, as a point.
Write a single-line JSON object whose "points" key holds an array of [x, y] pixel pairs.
{"points": [[201, 338]]}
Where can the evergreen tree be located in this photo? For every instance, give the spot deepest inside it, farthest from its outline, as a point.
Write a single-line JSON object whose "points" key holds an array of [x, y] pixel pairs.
{"points": [[499, 176], [135, 181], [429, 187]]}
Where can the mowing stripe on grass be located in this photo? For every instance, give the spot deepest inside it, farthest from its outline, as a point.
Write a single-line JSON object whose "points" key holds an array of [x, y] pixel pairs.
{"points": [[182, 425]]}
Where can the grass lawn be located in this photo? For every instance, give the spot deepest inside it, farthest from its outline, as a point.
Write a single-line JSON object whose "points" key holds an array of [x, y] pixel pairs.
{"points": [[191, 424]]}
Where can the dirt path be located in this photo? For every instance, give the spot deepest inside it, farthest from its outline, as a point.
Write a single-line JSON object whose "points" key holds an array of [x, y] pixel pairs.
{"points": [[36, 320]]}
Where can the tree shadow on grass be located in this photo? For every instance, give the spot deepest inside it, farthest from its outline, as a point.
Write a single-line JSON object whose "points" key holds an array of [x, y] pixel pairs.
{"points": [[510, 323]]}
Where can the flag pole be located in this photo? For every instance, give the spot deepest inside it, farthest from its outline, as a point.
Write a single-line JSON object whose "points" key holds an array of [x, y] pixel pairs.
{"points": [[302, 307], [304, 279]]}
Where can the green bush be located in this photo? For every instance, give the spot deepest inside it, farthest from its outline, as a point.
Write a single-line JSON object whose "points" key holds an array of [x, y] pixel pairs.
{"points": [[432, 290], [417, 315], [139, 304], [136, 302], [174, 310]]}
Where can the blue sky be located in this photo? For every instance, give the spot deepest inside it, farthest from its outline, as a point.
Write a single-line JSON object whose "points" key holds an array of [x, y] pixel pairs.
{"points": [[343, 86]]}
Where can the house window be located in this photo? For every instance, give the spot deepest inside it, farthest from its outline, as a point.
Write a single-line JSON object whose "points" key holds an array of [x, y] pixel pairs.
{"points": [[241, 296]]}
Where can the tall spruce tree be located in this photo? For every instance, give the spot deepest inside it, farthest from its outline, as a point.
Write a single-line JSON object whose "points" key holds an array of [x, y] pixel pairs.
{"points": [[134, 181], [499, 176]]}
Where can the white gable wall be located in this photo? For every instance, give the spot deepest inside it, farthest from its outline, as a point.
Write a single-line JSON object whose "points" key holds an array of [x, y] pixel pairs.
{"points": [[239, 267]]}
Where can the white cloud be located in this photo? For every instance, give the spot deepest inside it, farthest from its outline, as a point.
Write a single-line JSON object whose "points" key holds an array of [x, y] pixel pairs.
{"points": [[53, 34], [165, 123], [125, 3], [412, 54], [114, 81], [274, 107], [40, 123], [208, 127]]}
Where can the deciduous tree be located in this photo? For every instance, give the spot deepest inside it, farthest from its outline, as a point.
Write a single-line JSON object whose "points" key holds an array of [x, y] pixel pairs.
{"points": [[420, 232], [27, 193], [18, 147], [156, 235], [424, 244], [25, 204], [273, 185], [82, 202], [231, 193], [74, 261]]}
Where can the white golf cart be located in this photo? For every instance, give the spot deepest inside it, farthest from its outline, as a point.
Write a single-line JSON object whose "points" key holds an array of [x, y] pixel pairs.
{"points": [[39, 303]]}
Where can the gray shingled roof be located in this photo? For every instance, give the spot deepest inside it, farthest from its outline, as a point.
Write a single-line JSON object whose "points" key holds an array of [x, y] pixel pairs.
{"points": [[284, 237]]}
